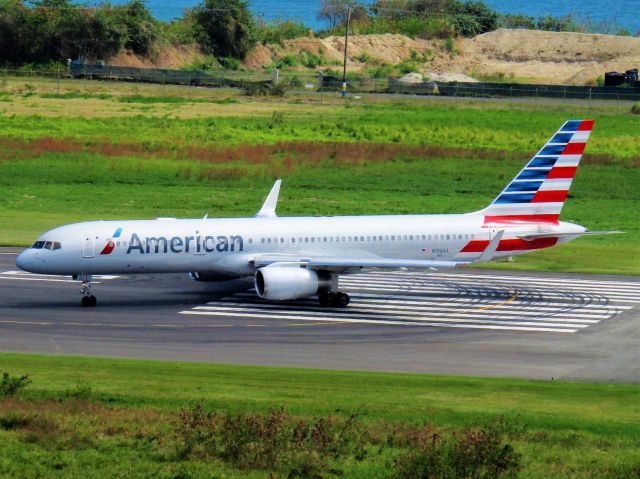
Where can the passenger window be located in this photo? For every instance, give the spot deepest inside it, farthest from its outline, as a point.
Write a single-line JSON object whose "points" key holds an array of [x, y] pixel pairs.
{"points": [[393, 238], [361, 238], [411, 237], [268, 240], [324, 239], [448, 236]]}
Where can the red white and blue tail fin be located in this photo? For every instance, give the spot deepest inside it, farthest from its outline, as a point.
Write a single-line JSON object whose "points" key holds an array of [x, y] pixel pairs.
{"points": [[537, 194]]}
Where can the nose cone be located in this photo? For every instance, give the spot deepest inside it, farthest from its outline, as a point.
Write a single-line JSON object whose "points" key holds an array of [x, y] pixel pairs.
{"points": [[24, 261]]}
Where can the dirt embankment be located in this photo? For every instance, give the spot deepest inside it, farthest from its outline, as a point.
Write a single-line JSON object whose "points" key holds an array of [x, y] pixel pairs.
{"points": [[536, 56], [571, 58]]}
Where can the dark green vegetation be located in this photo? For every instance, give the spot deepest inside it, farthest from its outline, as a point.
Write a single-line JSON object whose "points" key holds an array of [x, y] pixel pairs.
{"points": [[48, 32], [389, 158], [81, 417]]}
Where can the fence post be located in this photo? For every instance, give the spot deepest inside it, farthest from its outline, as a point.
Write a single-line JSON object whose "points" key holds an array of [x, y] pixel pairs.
{"points": [[276, 76], [58, 82], [589, 100], [457, 85]]}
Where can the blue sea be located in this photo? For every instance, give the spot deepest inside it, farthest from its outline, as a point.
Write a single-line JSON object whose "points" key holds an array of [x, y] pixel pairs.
{"points": [[624, 12]]}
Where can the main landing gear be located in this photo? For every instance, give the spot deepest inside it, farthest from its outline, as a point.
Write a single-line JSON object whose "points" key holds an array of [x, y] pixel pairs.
{"points": [[88, 299], [334, 298]]}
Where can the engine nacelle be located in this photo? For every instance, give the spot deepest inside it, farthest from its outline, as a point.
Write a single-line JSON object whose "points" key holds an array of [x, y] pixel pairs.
{"points": [[210, 276], [284, 283]]}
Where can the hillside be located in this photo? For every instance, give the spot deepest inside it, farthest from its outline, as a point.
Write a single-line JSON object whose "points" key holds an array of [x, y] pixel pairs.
{"points": [[532, 55]]}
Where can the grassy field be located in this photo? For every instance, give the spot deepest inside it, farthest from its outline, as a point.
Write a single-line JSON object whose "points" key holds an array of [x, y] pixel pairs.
{"points": [[82, 417], [136, 153]]}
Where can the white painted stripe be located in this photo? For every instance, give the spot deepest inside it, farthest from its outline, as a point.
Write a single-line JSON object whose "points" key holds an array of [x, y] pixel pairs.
{"points": [[363, 311], [533, 303], [25, 273], [394, 323], [458, 303], [545, 294], [449, 285], [580, 137], [16, 278], [492, 277], [550, 280], [544, 286]]}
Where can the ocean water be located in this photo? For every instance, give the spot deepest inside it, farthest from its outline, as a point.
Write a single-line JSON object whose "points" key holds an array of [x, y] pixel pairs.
{"points": [[625, 12]]}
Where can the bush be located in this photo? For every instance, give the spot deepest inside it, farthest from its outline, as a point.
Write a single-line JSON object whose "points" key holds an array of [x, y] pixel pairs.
{"points": [[225, 28], [264, 89], [12, 385], [635, 109], [472, 454], [277, 31], [273, 441]]}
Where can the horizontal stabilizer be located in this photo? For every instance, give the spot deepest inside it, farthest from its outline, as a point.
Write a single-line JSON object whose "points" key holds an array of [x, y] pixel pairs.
{"points": [[492, 247], [533, 236]]}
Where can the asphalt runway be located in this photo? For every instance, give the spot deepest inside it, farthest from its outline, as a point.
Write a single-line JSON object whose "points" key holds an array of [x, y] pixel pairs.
{"points": [[470, 322]]}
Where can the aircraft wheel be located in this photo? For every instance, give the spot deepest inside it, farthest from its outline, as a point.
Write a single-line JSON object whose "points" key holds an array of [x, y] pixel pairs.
{"points": [[89, 301], [342, 299], [326, 299]]}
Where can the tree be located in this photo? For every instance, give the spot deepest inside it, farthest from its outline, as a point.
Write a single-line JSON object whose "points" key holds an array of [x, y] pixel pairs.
{"points": [[334, 12], [472, 18], [141, 29], [226, 28]]}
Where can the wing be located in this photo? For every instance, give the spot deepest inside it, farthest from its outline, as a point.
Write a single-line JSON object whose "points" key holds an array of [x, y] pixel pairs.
{"points": [[352, 265]]}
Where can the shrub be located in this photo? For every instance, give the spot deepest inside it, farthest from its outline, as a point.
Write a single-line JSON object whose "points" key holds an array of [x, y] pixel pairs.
{"points": [[273, 441], [264, 89], [472, 454], [226, 28], [12, 385], [277, 31], [635, 109]]}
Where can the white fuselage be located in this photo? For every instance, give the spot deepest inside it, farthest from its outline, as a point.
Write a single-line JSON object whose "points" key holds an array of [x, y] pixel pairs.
{"points": [[228, 245]]}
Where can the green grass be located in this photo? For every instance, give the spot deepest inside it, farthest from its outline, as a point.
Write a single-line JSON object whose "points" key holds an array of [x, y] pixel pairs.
{"points": [[389, 158], [124, 416]]}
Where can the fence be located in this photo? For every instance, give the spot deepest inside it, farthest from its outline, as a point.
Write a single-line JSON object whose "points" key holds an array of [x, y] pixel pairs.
{"points": [[327, 83]]}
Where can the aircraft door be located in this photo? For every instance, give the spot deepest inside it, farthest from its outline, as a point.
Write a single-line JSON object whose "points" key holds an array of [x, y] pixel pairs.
{"points": [[87, 245]]}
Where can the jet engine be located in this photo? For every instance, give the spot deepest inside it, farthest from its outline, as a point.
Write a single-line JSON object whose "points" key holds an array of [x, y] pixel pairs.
{"points": [[285, 283]]}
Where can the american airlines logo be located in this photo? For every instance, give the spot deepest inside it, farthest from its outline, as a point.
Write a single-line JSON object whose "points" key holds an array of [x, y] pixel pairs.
{"points": [[177, 244], [184, 244], [111, 244]]}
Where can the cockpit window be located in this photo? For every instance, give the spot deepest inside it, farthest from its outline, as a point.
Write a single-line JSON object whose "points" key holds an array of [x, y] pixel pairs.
{"points": [[51, 245]]}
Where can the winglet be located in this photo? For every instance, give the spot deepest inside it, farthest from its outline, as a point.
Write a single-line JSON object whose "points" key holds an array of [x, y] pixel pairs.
{"points": [[491, 249], [268, 209]]}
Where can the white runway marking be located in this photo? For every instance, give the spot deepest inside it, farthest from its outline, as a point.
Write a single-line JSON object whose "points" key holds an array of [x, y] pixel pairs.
{"points": [[50, 278], [448, 300]]}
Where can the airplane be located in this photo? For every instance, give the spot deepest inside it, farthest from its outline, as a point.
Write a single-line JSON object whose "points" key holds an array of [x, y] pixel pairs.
{"points": [[296, 257]]}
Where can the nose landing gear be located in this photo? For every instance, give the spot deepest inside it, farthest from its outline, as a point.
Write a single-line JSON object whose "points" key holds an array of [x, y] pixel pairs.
{"points": [[88, 299]]}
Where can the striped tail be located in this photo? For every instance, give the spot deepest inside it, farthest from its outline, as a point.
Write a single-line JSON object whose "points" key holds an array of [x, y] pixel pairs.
{"points": [[537, 194]]}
